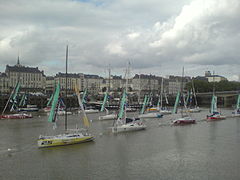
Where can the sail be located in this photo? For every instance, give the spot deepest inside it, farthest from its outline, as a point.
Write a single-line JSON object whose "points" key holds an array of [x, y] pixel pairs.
{"points": [[85, 118], [158, 103], [149, 100], [176, 103], [14, 97], [50, 100], [84, 96], [194, 94], [144, 104], [51, 117], [122, 105], [191, 99], [166, 99], [23, 100], [238, 102], [187, 98], [213, 104], [104, 101]]}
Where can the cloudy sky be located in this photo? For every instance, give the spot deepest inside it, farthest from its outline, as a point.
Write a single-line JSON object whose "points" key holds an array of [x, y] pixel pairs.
{"points": [[156, 36]]}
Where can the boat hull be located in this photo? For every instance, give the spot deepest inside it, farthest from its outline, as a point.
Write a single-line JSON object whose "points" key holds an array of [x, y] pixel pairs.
{"points": [[16, 116], [215, 118], [194, 110], [128, 127], [90, 111], [61, 113], [236, 115], [108, 117], [183, 121], [47, 109], [165, 112], [52, 141], [150, 115]]}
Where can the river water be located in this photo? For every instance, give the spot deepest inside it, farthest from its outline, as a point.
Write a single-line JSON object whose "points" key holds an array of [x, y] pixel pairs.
{"points": [[206, 150]]}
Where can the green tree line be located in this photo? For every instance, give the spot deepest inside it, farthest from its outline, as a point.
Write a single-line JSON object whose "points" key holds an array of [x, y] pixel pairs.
{"points": [[204, 86]]}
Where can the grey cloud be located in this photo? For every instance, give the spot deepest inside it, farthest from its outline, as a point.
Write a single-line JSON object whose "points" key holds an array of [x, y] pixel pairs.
{"points": [[170, 35]]}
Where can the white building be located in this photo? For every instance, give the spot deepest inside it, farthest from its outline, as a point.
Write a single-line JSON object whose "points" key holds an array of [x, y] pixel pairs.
{"points": [[4, 87], [93, 83], [31, 79], [73, 80]]}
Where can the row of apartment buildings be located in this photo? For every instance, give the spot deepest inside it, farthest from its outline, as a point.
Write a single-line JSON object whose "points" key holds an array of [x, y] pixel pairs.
{"points": [[34, 80]]}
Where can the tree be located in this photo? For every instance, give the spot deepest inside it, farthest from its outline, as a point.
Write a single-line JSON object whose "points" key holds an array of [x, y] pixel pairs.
{"points": [[204, 86]]}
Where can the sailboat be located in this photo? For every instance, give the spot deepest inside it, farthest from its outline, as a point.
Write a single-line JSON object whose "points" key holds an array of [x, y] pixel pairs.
{"points": [[107, 116], [237, 109], [88, 110], [48, 107], [195, 108], [13, 100], [61, 108], [184, 119], [124, 123], [163, 110], [74, 136], [23, 106], [149, 114], [215, 114]]}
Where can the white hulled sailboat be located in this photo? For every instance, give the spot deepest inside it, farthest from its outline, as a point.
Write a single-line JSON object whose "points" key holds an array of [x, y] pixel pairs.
{"points": [[195, 108], [123, 123], [107, 116], [148, 114]]}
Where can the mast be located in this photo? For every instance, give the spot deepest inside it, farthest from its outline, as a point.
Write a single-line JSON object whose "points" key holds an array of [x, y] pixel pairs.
{"points": [[126, 99], [109, 79], [11, 95], [161, 95], [194, 94], [66, 88], [213, 83], [139, 90], [182, 97]]}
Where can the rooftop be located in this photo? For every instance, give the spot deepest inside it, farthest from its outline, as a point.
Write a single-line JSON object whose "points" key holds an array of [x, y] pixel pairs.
{"points": [[17, 68], [72, 75], [3, 74]]}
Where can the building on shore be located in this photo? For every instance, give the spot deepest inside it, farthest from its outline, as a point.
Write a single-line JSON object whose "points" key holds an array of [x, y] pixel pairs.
{"points": [[175, 83], [214, 77], [50, 85], [73, 80], [30, 78], [92, 83], [145, 84], [113, 84], [4, 86]]}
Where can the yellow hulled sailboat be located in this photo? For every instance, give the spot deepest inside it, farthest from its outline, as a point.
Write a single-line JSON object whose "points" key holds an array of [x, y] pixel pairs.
{"points": [[70, 136]]}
